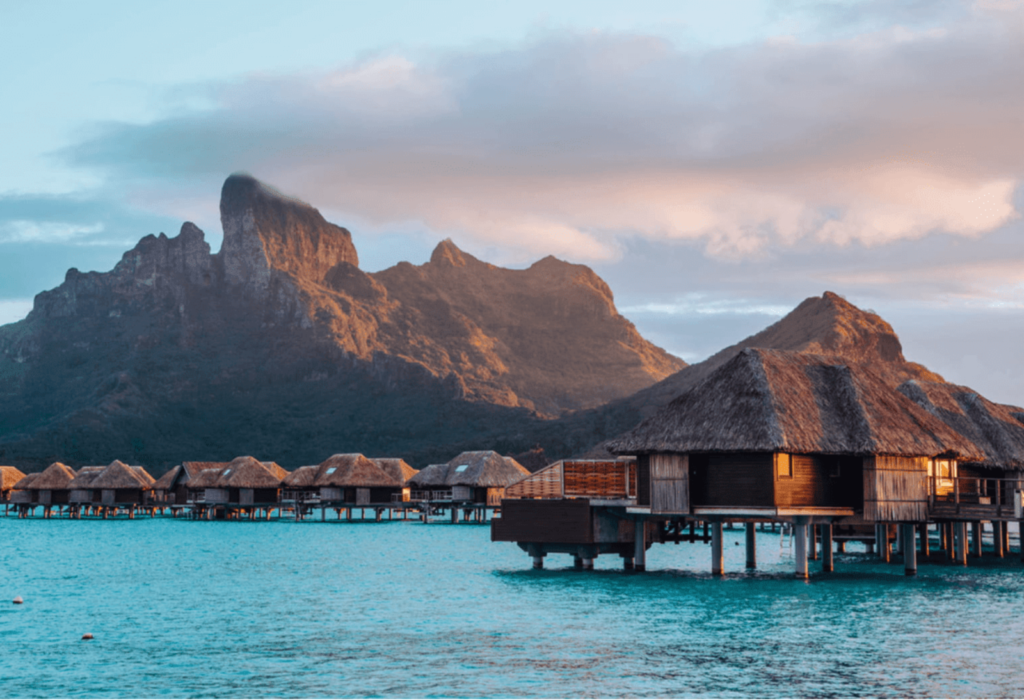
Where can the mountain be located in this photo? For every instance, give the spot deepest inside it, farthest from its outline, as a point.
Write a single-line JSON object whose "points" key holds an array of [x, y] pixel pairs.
{"points": [[280, 346]]}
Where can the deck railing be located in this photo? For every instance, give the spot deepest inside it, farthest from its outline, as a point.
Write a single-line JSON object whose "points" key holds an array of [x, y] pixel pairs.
{"points": [[976, 491]]}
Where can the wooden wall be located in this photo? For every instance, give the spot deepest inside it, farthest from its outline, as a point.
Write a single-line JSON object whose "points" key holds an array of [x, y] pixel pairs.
{"points": [[670, 483], [737, 479], [895, 489], [820, 480], [643, 480], [547, 483], [565, 521]]}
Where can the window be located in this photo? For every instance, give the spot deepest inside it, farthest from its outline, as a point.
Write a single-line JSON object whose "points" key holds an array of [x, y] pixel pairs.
{"points": [[784, 465], [332, 470], [461, 468]]}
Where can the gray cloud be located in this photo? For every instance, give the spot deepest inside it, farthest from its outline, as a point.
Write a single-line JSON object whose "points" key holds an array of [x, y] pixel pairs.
{"points": [[574, 142]]}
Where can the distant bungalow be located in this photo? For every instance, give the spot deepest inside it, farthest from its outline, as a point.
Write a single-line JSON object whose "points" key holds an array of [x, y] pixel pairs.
{"points": [[172, 488], [472, 482], [773, 436], [9, 476], [243, 487], [48, 488]]}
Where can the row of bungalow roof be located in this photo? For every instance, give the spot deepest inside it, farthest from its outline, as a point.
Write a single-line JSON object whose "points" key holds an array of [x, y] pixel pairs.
{"points": [[479, 477]]}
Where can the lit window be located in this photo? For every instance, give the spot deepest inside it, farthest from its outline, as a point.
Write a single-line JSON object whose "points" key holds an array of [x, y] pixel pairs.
{"points": [[785, 466]]}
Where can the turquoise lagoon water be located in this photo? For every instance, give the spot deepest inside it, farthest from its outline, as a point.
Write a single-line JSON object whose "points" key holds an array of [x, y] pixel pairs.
{"points": [[255, 609]]}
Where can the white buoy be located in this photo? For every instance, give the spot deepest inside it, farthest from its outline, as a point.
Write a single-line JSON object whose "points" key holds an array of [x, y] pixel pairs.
{"points": [[18, 601], [87, 635]]}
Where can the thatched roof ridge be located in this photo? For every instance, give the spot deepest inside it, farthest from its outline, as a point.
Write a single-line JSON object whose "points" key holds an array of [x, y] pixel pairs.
{"points": [[84, 478], [206, 479], [169, 479], [301, 478], [55, 477], [9, 476], [194, 469], [119, 475], [396, 468], [775, 401], [995, 428], [250, 473], [353, 470], [26, 483], [144, 475], [480, 468], [430, 475], [276, 469]]}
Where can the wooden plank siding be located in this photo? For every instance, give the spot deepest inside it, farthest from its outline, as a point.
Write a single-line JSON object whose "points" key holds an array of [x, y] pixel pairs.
{"points": [[739, 479], [546, 483], [818, 480], [670, 483], [896, 489], [565, 521]]}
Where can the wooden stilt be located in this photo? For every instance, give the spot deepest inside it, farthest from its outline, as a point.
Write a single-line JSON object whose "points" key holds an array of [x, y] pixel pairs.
{"points": [[812, 543], [886, 550], [800, 548], [960, 543], [577, 562], [909, 549], [640, 545], [751, 546], [717, 560], [826, 547], [925, 544], [999, 537], [976, 539]]}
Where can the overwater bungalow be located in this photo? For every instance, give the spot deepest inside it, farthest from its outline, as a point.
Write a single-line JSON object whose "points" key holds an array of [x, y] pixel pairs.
{"points": [[299, 487], [970, 492], [172, 488], [81, 494], [773, 436], [50, 488], [401, 471], [348, 481], [23, 496], [122, 487], [472, 482], [244, 486], [9, 476]]}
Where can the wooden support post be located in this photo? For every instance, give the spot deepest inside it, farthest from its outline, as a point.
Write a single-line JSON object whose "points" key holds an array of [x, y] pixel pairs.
{"points": [[538, 562], [886, 550], [800, 548], [1020, 536], [812, 543], [588, 564], [960, 543], [751, 546], [826, 547], [925, 544], [577, 562], [717, 560], [999, 537], [841, 546], [909, 549], [976, 539], [640, 545], [323, 514], [627, 563]]}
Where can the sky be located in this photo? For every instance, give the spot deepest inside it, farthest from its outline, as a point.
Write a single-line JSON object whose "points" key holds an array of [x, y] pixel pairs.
{"points": [[716, 163]]}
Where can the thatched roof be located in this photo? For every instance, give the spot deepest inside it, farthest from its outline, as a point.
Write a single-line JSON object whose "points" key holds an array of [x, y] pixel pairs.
{"points": [[484, 468], [206, 479], [396, 468], [119, 475], [774, 401], [84, 478], [144, 475], [55, 477], [353, 470], [169, 479], [250, 473], [26, 483], [995, 428], [276, 469], [193, 469], [301, 478], [9, 476], [430, 475]]}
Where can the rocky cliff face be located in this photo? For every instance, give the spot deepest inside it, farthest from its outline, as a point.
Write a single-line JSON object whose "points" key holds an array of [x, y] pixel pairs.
{"points": [[280, 345]]}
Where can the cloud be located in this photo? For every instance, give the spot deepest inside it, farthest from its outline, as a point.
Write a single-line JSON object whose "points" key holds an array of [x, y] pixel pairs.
{"points": [[575, 143]]}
